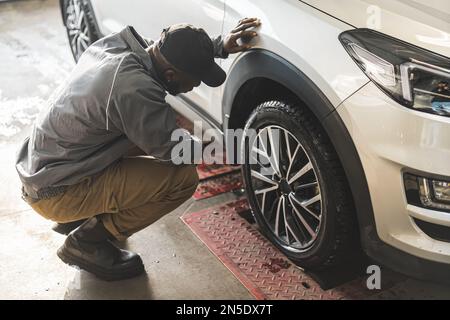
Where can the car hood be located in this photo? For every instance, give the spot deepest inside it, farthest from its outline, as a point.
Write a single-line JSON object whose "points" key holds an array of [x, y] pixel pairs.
{"points": [[425, 23]]}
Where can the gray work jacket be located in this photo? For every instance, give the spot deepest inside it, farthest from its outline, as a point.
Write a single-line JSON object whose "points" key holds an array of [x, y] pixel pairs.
{"points": [[111, 101]]}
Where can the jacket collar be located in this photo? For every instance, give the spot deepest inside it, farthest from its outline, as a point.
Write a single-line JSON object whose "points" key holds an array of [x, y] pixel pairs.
{"points": [[137, 45]]}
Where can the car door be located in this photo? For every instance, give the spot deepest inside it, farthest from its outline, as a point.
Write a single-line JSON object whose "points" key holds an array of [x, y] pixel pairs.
{"points": [[149, 17]]}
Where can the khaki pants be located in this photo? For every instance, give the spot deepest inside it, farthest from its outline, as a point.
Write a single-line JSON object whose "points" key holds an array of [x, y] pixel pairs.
{"points": [[130, 195]]}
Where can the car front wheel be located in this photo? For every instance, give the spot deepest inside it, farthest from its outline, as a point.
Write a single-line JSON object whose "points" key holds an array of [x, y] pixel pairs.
{"points": [[296, 186]]}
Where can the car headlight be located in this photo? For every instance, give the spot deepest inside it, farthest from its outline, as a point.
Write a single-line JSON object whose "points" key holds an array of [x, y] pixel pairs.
{"points": [[414, 77]]}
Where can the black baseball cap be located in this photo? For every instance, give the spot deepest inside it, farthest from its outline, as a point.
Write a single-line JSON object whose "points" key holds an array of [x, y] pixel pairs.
{"points": [[191, 50]]}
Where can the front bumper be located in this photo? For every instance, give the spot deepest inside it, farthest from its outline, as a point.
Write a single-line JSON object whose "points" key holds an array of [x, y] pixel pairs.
{"points": [[391, 140]]}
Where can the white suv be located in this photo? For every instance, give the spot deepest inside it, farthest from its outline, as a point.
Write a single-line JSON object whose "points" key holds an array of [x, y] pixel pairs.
{"points": [[359, 90]]}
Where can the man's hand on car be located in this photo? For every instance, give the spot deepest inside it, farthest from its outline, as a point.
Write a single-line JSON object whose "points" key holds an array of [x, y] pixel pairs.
{"points": [[230, 42]]}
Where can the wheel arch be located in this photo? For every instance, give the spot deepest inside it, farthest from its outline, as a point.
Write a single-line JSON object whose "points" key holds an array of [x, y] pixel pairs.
{"points": [[269, 73]]}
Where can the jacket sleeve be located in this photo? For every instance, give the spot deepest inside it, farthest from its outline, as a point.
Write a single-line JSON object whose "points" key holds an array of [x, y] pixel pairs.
{"points": [[141, 113], [218, 48]]}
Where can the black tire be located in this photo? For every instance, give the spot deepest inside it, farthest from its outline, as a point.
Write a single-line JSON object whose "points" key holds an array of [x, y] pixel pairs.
{"points": [[337, 233], [84, 29]]}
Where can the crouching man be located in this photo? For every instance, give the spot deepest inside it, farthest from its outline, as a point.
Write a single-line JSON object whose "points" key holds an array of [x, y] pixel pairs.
{"points": [[78, 168]]}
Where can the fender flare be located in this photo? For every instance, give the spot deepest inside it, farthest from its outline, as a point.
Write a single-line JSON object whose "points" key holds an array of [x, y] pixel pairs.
{"points": [[264, 64], [261, 63]]}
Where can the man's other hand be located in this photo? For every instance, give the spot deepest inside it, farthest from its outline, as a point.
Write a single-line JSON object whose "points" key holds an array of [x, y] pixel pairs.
{"points": [[231, 44]]}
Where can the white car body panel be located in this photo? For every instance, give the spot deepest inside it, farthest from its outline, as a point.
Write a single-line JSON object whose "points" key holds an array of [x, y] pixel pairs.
{"points": [[390, 138], [297, 41], [425, 23]]}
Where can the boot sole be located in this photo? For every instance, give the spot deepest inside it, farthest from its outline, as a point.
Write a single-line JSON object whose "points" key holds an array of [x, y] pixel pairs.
{"points": [[97, 271], [63, 232], [64, 229]]}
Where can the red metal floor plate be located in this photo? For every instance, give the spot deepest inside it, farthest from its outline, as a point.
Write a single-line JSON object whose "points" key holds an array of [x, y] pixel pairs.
{"points": [[261, 267], [214, 186], [206, 171]]}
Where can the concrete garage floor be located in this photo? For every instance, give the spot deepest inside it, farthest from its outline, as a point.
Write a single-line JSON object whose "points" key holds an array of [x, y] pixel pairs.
{"points": [[34, 59]]}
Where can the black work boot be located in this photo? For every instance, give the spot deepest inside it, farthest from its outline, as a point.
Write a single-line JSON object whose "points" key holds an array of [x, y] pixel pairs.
{"points": [[89, 248], [66, 228]]}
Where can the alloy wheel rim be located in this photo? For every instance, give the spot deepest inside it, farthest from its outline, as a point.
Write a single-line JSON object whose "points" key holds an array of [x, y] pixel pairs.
{"points": [[285, 184], [77, 28]]}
